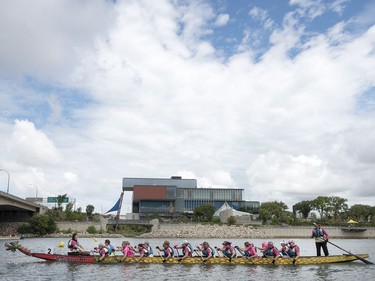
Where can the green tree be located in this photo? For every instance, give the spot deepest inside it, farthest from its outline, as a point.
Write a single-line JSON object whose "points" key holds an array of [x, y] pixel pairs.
{"points": [[322, 204], [89, 211], [360, 212], [204, 213], [274, 211], [60, 200], [304, 207], [339, 207], [69, 211], [40, 225]]}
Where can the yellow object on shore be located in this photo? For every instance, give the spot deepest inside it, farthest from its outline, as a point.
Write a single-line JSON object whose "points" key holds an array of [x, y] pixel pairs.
{"points": [[61, 244]]}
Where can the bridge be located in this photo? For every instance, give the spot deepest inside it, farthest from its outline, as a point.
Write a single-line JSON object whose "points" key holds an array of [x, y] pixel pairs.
{"points": [[16, 209]]}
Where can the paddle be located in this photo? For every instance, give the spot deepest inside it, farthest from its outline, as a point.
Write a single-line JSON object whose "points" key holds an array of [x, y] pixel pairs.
{"points": [[241, 252], [218, 250], [358, 257], [164, 260]]}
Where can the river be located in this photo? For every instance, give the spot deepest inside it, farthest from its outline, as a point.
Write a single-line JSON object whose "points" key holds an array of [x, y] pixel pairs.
{"points": [[16, 266]]}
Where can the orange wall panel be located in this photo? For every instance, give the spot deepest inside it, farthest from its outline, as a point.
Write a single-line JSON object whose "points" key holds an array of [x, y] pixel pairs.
{"points": [[147, 192]]}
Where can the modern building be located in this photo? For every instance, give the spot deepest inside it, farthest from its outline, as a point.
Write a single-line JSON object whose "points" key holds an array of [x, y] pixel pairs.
{"points": [[176, 196]]}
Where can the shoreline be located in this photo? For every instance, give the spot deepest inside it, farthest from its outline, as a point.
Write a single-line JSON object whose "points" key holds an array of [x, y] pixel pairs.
{"points": [[216, 231]]}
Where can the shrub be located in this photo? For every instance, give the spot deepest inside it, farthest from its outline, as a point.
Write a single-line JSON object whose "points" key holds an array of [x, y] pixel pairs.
{"points": [[91, 229]]}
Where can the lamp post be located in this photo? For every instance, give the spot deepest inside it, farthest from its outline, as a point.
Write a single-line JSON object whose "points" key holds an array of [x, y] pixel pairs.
{"points": [[36, 190], [8, 178]]}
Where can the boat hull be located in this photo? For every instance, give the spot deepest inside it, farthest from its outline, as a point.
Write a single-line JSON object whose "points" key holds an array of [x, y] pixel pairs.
{"points": [[198, 260], [87, 258]]}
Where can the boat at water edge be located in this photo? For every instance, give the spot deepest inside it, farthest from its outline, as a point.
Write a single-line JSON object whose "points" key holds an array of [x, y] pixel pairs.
{"points": [[91, 258]]}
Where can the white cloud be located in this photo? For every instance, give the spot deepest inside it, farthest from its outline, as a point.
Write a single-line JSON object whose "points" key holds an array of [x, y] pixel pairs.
{"points": [[31, 146], [261, 15], [222, 19], [160, 100]]}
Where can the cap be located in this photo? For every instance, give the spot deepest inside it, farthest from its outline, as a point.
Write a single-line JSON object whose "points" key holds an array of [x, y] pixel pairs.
{"points": [[146, 242], [185, 242], [290, 241], [283, 243]]}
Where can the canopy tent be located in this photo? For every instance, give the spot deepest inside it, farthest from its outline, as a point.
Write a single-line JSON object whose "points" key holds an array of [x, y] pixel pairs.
{"points": [[352, 221], [227, 207]]}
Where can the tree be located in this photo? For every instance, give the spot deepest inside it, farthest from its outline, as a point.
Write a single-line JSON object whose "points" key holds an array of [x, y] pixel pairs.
{"points": [[204, 213], [272, 211], [40, 225], [304, 207], [322, 204], [60, 200], [330, 207], [338, 207], [360, 212], [89, 211]]}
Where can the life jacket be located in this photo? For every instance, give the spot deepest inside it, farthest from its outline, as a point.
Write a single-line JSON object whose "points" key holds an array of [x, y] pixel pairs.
{"points": [[228, 252], [105, 250], [166, 251], [145, 252], [206, 252], [250, 252], [150, 251], [269, 252], [110, 249], [292, 251], [190, 248], [318, 232], [70, 244]]}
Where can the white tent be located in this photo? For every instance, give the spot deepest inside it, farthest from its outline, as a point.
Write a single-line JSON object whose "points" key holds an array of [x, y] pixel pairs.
{"points": [[227, 207]]}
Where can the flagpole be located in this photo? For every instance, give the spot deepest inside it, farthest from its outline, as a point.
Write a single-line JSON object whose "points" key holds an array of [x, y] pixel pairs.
{"points": [[119, 211]]}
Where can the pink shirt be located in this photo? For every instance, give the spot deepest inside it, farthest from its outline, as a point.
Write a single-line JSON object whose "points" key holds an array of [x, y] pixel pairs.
{"points": [[128, 252]]}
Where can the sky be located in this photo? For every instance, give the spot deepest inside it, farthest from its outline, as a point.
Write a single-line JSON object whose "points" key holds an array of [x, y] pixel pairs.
{"points": [[275, 97]]}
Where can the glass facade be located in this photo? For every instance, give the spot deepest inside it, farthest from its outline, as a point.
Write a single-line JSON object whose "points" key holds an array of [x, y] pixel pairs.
{"points": [[182, 196]]}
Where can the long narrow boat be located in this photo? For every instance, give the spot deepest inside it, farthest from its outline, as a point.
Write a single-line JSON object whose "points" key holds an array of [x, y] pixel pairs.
{"points": [[90, 258]]}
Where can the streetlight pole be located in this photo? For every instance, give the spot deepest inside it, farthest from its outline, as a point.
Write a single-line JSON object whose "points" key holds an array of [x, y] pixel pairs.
{"points": [[8, 179], [36, 190]]}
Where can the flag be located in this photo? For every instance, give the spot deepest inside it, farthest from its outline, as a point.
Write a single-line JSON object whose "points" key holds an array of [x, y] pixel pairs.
{"points": [[117, 206]]}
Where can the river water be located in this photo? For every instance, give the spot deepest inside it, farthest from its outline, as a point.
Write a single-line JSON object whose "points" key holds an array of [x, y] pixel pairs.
{"points": [[16, 266]]}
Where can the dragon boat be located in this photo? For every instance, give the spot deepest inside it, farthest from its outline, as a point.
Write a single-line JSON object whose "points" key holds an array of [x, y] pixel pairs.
{"points": [[117, 259]]}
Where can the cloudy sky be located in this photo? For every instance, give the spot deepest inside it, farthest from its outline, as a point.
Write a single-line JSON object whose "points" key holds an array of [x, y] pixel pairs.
{"points": [[276, 97]]}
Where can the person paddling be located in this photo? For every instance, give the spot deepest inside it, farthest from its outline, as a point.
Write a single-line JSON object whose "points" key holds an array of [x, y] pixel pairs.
{"points": [[127, 250], [207, 251], [249, 250], [148, 247], [228, 250], [73, 244], [111, 249], [187, 250], [142, 251], [272, 251], [103, 252], [293, 251], [168, 251], [321, 237]]}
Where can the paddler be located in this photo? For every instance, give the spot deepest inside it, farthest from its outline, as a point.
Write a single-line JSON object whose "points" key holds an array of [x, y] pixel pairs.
{"points": [[207, 251], [321, 237], [103, 252], [228, 250], [168, 251], [293, 251], [73, 244], [126, 249], [142, 251], [187, 250], [249, 250], [272, 251]]}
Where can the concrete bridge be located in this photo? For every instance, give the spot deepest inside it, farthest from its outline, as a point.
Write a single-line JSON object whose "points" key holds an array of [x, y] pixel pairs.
{"points": [[16, 209]]}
